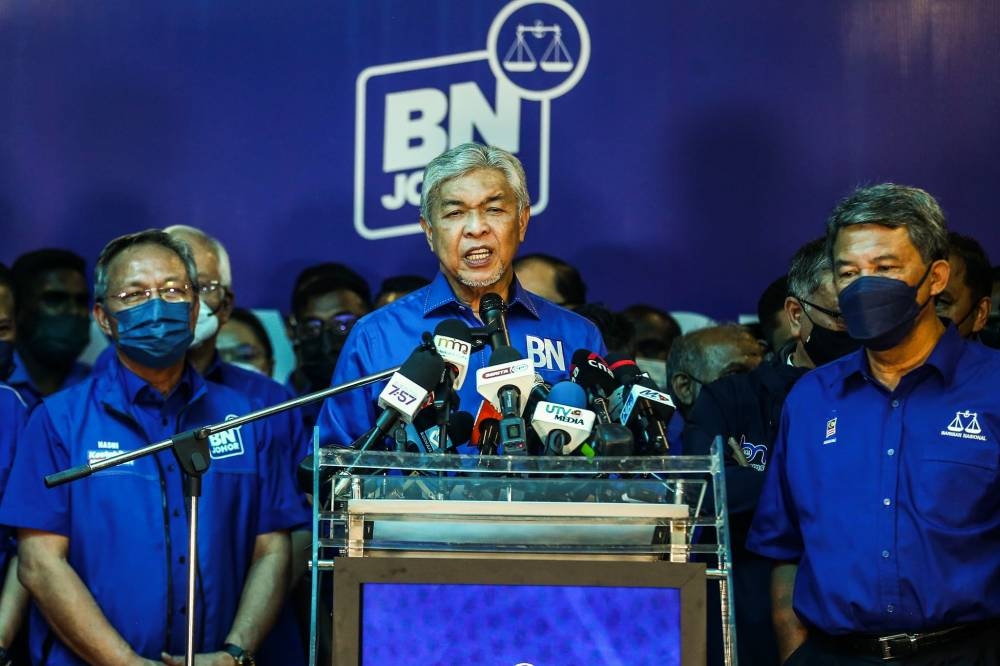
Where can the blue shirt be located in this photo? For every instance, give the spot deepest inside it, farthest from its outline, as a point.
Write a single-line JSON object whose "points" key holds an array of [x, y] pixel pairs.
{"points": [[12, 415], [539, 330], [127, 526], [20, 380], [889, 500]]}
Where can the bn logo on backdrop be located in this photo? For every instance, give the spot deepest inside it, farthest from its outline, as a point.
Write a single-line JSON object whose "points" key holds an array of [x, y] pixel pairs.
{"points": [[408, 112]]}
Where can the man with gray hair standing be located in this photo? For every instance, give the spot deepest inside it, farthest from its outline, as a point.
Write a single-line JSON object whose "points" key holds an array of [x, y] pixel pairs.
{"points": [[881, 504], [474, 211]]}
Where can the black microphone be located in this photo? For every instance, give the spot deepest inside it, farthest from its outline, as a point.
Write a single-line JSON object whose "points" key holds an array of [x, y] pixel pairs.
{"points": [[425, 434], [591, 372], [493, 313], [405, 393], [641, 405]]}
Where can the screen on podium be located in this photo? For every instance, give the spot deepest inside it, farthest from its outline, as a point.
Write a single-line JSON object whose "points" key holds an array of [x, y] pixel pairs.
{"points": [[515, 612]]}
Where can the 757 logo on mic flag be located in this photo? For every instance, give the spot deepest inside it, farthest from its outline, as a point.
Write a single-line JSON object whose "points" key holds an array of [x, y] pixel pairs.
{"points": [[409, 112]]}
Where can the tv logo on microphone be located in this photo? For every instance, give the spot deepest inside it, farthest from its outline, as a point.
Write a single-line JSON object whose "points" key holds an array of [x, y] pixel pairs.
{"points": [[411, 111]]}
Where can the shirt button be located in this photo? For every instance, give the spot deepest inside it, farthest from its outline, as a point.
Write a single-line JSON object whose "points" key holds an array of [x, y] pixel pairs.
{"points": [[170, 468], [177, 513], [887, 502], [164, 421], [182, 559], [183, 610], [891, 452], [895, 403], [885, 554]]}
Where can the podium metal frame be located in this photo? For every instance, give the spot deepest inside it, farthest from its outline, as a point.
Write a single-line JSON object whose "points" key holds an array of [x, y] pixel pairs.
{"points": [[387, 504]]}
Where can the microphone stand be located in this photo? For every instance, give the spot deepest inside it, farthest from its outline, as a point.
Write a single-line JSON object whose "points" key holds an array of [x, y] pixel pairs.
{"points": [[192, 453]]}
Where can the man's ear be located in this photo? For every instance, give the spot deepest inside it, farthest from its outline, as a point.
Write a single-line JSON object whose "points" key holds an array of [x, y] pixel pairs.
{"points": [[940, 272], [195, 307], [522, 223], [981, 314], [428, 232], [103, 321], [226, 307], [794, 312], [682, 387]]}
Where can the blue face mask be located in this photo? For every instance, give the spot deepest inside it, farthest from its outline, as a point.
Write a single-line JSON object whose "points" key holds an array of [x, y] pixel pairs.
{"points": [[880, 311], [155, 334]]}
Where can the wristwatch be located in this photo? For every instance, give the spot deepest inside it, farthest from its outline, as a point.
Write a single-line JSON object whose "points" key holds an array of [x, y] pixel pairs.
{"points": [[241, 656]]}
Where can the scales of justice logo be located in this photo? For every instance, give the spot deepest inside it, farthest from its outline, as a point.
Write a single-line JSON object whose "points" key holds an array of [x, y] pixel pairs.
{"points": [[407, 113]]}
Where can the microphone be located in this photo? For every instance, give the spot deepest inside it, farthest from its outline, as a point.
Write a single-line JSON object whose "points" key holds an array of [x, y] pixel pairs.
{"points": [[591, 372], [453, 341], [539, 393], [643, 406], [426, 435], [492, 312], [405, 393], [504, 382], [563, 421]]}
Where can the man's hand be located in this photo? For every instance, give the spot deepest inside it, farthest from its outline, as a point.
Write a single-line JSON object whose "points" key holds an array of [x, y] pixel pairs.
{"points": [[211, 659], [737, 450]]}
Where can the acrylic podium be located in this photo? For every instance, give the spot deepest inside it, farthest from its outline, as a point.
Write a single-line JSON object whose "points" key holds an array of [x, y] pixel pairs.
{"points": [[410, 545]]}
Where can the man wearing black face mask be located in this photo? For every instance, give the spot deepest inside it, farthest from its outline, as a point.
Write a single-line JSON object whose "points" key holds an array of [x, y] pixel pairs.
{"points": [[745, 410], [966, 299], [53, 323], [326, 302], [8, 326], [880, 507]]}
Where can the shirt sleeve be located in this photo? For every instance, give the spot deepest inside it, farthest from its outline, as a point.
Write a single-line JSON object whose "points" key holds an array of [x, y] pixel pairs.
{"points": [[283, 507], [27, 502], [775, 532], [347, 416]]}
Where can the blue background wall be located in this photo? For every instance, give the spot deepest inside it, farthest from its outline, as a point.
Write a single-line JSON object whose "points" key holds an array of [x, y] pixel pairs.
{"points": [[702, 144]]}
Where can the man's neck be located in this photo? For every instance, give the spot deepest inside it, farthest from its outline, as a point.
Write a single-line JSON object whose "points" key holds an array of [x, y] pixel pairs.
{"points": [[472, 295], [799, 357], [889, 366], [46, 379], [201, 356], [162, 379]]}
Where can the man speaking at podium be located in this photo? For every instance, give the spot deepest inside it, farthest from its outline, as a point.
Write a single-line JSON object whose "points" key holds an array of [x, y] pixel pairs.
{"points": [[105, 558], [474, 210]]}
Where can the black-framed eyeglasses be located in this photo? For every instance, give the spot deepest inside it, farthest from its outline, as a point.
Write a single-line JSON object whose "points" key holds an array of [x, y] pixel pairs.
{"points": [[178, 293], [832, 314], [63, 301], [339, 324]]}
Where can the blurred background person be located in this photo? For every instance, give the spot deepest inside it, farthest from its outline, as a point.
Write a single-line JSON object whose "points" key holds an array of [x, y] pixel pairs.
{"points": [[8, 322], [616, 329], [552, 279], [966, 299], [397, 286], [53, 322], [243, 341], [775, 329]]}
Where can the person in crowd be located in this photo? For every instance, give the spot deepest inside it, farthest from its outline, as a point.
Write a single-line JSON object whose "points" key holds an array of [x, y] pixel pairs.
{"points": [[395, 287], [655, 331], [107, 577], [700, 357], [775, 327], [745, 409], [966, 299], [551, 278], [243, 341], [616, 329], [52, 322], [903, 566], [8, 322], [326, 302], [474, 211], [990, 335]]}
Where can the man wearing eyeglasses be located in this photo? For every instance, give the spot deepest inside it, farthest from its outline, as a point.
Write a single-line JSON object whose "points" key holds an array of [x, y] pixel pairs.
{"points": [[105, 558], [53, 323]]}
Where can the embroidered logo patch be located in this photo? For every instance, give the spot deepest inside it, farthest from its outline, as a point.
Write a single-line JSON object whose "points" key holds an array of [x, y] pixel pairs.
{"points": [[965, 425], [831, 431], [226, 444]]}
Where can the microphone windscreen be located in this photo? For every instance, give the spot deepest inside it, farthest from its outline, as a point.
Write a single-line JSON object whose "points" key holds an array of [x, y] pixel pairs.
{"points": [[568, 394], [504, 355], [454, 328], [424, 368], [460, 428], [622, 367], [590, 371], [491, 302]]}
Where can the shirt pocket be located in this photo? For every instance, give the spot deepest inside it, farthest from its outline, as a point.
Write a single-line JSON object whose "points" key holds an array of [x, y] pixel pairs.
{"points": [[957, 483]]}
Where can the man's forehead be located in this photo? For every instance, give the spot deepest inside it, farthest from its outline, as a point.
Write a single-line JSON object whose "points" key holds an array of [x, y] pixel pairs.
{"points": [[486, 183], [139, 260], [61, 279], [826, 294], [872, 241]]}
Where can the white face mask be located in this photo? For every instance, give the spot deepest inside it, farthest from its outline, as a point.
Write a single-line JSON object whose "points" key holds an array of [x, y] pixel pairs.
{"points": [[206, 326], [247, 366]]}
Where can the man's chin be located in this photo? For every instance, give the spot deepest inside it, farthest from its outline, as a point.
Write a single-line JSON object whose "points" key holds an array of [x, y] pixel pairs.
{"points": [[479, 280]]}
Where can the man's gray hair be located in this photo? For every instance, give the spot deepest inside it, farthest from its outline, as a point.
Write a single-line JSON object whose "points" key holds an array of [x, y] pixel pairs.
{"points": [[810, 269], [465, 158], [147, 237], [687, 353], [893, 206], [225, 269]]}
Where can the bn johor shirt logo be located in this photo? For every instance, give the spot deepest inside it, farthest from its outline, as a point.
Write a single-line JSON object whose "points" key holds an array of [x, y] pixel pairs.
{"points": [[966, 426], [409, 112], [227, 443]]}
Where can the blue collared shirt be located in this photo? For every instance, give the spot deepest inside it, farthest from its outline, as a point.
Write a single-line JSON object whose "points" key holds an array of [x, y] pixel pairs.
{"points": [[127, 526], [889, 500], [20, 380], [13, 412], [539, 330]]}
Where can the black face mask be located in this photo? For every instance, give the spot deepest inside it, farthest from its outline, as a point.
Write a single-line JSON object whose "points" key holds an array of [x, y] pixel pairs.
{"points": [[825, 345], [58, 339], [990, 335], [6, 359], [319, 356]]}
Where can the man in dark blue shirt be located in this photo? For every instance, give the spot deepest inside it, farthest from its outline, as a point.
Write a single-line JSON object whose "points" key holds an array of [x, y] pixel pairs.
{"points": [[474, 212], [105, 558], [882, 497]]}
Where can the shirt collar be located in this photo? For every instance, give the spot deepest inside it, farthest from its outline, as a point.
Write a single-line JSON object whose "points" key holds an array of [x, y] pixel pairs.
{"points": [[440, 295], [137, 390], [20, 378], [943, 359]]}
